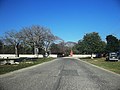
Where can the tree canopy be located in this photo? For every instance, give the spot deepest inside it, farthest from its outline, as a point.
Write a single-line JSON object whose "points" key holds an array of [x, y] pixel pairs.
{"points": [[30, 39], [112, 44], [91, 43]]}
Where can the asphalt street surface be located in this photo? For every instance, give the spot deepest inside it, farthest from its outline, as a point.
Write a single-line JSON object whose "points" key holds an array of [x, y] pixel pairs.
{"points": [[61, 74]]}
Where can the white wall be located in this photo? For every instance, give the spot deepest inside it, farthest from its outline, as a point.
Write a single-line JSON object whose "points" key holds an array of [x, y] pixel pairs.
{"points": [[83, 56], [5, 56], [21, 55], [40, 56], [30, 56], [53, 55]]}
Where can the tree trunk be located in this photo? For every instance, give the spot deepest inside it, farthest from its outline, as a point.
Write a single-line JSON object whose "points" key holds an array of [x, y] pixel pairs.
{"points": [[91, 56], [36, 51], [17, 50]]}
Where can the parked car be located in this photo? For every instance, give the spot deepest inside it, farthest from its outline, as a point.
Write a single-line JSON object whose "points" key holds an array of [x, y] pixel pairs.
{"points": [[113, 56]]}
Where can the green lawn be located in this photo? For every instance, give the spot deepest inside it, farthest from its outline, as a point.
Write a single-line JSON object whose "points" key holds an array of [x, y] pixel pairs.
{"points": [[8, 68], [112, 66]]}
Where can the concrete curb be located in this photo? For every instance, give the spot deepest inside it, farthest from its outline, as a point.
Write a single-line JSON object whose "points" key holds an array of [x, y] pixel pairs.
{"points": [[27, 68], [98, 67]]}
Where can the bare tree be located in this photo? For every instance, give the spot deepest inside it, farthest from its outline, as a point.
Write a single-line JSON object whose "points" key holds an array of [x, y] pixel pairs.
{"points": [[28, 37], [37, 37], [49, 38], [62, 47], [13, 38]]}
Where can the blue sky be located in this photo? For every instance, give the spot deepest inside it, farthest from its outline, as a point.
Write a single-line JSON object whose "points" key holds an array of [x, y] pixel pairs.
{"points": [[68, 19]]}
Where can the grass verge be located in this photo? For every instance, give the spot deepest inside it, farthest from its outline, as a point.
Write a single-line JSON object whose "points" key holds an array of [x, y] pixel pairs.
{"points": [[112, 66], [8, 68]]}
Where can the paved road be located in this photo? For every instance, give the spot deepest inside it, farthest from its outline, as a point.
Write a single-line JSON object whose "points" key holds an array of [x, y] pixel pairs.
{"points": [[61, 74]]}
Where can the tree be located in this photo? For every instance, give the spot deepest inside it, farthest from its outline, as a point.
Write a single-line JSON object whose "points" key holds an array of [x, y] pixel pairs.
{"points": [[30, 40], [119, 44], [76, 49], [91, 43], [112, 43], [49, 38], [54, 48], [79, 47], [13, 38], [59, 48], [33, 36], [38, 37], [9, 49], [1, 46], [62, 48], [103, 47]]}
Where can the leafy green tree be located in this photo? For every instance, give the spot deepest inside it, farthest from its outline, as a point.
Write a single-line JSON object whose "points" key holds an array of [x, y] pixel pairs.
{"points": [[112, 43], [103, 47], [91, 43], [82, 47], [78, 48]]}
